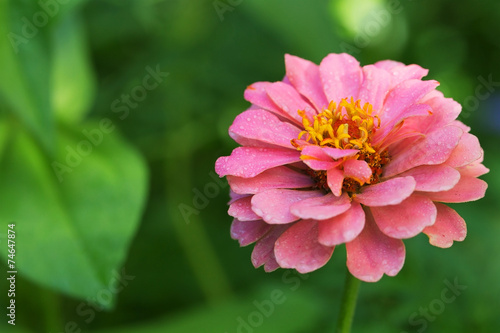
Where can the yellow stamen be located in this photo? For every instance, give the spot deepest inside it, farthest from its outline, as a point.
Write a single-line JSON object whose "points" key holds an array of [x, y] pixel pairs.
{"points": [[345, 125]]}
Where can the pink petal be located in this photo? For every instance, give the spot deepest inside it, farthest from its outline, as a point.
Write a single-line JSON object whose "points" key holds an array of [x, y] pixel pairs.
{"points": [[299, 166], [444, 111], [248, 232], [316, 152], [328, 153], [262, 126], [435, 148], [397, 145], [289, 100], [372, 253], [257, 95], [304, 76], [324, 158], [461, 125], [274, 205], [407, 219], [399, 138], [402, 97], [388, 64], [341, 77], [298, 248], [473, 170], [235, 196], [251, 142], [342, 228], [336, 153], [389, 192], [250, 161], [335, 180], [467, 189], [415, 110], [279, 177], [321, 208], [301, 143], [449, 227], [319, 164], [400, 72], [408, 72], [433, 178], [241, 209], [375, 86], [263, 250], [467, 151], [358, 170], [271, 264]]}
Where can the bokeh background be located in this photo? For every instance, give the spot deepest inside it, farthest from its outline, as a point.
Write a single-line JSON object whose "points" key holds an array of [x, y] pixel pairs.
{"points": [[112, 114]]}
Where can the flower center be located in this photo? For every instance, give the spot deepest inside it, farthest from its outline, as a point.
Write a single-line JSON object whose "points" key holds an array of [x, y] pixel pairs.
{"points": [[344, 126]]}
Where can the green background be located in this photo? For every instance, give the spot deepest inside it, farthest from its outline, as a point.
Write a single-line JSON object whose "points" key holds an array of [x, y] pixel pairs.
{"points": [[107, 170]]}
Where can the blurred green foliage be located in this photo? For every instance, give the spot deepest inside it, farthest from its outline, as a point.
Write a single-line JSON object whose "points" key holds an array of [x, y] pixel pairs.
{"points": [[112, 114]]}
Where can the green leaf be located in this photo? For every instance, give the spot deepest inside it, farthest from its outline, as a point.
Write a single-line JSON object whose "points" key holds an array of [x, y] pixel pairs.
{"points": [[73, 79], [4, 136], [76, 215], [25, 68], [270, 310]]}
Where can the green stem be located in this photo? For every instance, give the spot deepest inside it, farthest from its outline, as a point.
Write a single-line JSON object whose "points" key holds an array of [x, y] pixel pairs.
{"points": [[193, 237], [348, 305]]}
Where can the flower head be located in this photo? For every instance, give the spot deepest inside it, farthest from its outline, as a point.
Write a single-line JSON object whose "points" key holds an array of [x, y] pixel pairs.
{"points": [[343, 154]]}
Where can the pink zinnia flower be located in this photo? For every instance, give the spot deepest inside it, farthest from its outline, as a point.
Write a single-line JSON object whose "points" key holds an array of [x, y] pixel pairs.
{"points": [[339, 153]]}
